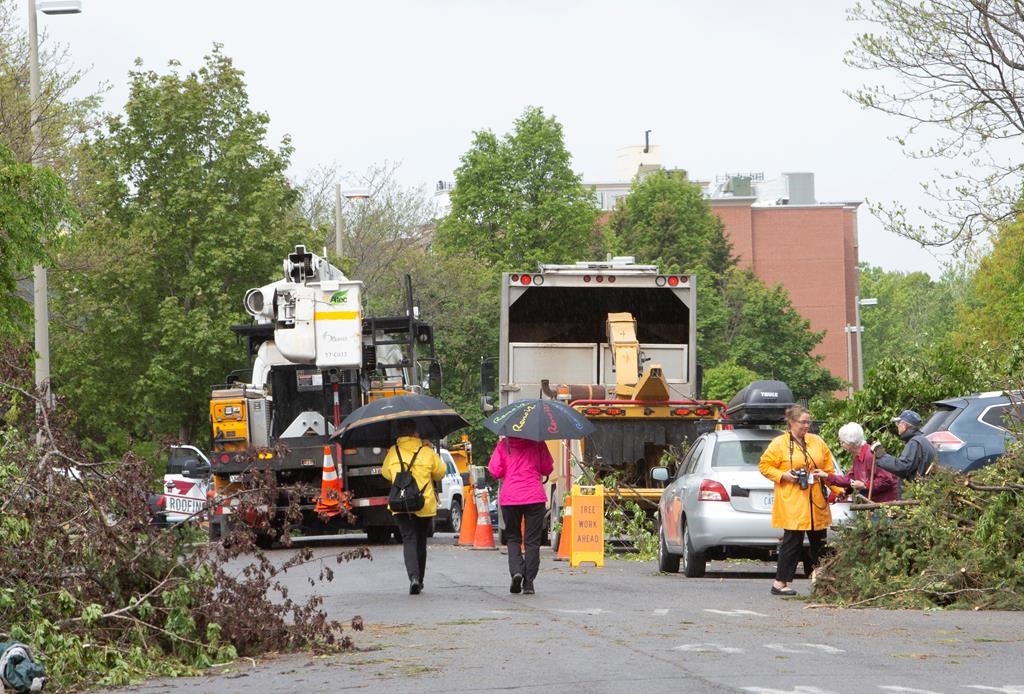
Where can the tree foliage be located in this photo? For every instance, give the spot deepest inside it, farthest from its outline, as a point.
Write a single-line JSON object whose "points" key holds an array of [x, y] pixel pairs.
{"points": [[913, 314], [992, 315], [33, 207], [961, 545], [956, 78], [517, 202], [65, 118], [104, 597], [188, 209]]}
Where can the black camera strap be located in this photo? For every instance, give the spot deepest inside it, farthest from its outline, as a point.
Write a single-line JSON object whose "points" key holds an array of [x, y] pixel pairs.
{"points": [[808, 460]]}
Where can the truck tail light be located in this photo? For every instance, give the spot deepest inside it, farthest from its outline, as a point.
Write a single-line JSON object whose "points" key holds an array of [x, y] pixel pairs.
{"points": [[712, 491], [945, 441]]}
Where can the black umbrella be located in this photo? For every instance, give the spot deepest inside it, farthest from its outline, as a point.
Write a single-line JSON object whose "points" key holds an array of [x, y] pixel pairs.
{"points": [[539, 420], [375, 424]]}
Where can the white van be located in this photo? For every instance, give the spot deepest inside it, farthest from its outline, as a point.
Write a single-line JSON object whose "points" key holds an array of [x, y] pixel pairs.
{"points": [[186, 481], [449, 499]]}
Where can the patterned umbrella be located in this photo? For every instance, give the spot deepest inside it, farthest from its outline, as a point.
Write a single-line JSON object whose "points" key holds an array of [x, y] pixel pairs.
{"points": [[375, 424], [539, 420]]}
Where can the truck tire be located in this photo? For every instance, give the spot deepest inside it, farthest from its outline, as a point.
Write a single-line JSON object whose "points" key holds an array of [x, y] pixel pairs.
{"points": [[694, 563], [218, 528], [667, 562], [378, 535], [455, 517]]}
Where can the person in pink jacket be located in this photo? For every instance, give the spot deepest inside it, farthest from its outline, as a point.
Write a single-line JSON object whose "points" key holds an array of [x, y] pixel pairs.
{"points": [[521, 465]]}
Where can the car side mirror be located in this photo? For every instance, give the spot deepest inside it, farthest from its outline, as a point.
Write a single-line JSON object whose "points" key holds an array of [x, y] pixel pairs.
{"points": [[660, 474]]}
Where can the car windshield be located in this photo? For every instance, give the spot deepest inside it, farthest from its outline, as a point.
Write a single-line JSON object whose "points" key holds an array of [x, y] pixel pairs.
{"points": [[739, 453]]}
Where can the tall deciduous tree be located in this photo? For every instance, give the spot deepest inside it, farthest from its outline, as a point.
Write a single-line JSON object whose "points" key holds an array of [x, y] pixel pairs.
{"points": [[189, 209], [517, 202], [991, 318], [741, 323], [666, 221], [958, 82]]}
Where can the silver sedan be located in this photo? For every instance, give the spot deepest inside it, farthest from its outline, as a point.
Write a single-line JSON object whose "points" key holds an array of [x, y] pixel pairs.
{"points": [[719, 505]]}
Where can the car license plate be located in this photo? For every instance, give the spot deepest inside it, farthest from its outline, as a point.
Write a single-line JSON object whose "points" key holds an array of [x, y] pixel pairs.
{"points": [[767, 500], [181, 504]]}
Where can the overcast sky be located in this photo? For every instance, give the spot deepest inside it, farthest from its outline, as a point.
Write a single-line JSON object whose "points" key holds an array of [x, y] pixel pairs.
{"points": [[723, 86]]}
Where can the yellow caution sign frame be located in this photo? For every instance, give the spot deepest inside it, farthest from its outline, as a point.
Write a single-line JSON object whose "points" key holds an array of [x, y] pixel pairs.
{"points": [[587, 526]]}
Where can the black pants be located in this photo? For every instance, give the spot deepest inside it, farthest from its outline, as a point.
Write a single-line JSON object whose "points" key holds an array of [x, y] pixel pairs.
{"points": [[414, 531], [792, 548], [514, 515]]}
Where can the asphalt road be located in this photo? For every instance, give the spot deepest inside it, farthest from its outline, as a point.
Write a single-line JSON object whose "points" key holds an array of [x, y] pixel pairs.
{"points": [[618, 628]]}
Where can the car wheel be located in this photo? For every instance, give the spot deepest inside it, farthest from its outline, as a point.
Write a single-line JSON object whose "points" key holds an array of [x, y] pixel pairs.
{"points": [[667, 562], [455, 520], [694, 563]]}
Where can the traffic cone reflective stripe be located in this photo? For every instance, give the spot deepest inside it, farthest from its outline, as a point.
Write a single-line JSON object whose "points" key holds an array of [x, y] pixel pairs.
{"points": [[469, 516], [329, 503], [484, 537]]}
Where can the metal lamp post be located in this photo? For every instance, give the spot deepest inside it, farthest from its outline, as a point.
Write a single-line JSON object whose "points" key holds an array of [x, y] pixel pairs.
{"points": [[858, 302], [352, 194], [39, 278]]}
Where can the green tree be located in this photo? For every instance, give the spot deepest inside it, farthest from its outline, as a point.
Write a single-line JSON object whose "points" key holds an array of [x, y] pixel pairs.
{"points": [[725, 380], [952, 72], [517, 203], [991, 318], [913, 312], [666, 221], [33, 206], [188, 209]]}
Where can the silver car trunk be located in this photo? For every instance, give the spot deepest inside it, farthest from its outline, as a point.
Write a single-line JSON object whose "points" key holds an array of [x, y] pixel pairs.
{"points": [[749, 490]]}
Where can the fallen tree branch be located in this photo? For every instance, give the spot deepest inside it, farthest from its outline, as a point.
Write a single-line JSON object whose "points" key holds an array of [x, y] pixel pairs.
{"points": [[883, 504], [989, 488]]}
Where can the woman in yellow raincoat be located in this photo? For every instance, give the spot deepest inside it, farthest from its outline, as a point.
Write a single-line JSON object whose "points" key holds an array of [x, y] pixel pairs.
{"points": [[426, 467], [795, 462]]}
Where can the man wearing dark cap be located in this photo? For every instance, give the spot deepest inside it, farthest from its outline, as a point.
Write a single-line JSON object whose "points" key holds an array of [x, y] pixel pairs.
{"points": [[918, 454]]}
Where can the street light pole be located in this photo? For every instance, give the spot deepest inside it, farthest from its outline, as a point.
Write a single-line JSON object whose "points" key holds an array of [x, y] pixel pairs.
{"points": [[39, 280], [353, 194], [337, 222], [40, 309], [849, 360], [858, 302]]}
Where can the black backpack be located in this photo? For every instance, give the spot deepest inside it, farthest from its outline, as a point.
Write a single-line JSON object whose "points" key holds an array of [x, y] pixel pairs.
{"points": [[405, 495]]}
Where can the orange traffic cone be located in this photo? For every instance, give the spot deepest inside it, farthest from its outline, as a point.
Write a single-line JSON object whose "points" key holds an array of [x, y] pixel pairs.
{"points": [[329, 503], [565, 536], [469, 516], [484, 537]]}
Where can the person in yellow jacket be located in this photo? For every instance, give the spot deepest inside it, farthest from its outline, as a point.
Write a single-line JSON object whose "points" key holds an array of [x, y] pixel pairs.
{"points": [[797, 462], [426, 467]]}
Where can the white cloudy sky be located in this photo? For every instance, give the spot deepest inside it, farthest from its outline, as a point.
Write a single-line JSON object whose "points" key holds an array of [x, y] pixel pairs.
{"points": [[723, 86]]}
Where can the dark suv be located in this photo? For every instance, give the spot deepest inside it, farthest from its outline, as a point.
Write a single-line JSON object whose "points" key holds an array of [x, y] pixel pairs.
{"points": [[971, 431]]}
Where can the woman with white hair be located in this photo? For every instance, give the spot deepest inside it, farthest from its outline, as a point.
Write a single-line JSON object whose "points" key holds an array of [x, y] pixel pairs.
{"points": [[865, 476]]}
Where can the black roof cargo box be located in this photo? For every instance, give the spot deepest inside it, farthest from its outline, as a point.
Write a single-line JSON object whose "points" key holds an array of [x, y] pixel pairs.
{"points": [[761, 402]]}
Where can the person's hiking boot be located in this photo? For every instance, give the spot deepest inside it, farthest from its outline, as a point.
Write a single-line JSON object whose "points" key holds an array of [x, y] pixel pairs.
{"points": [[528, 588], [415, 587], [517, 584]]}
